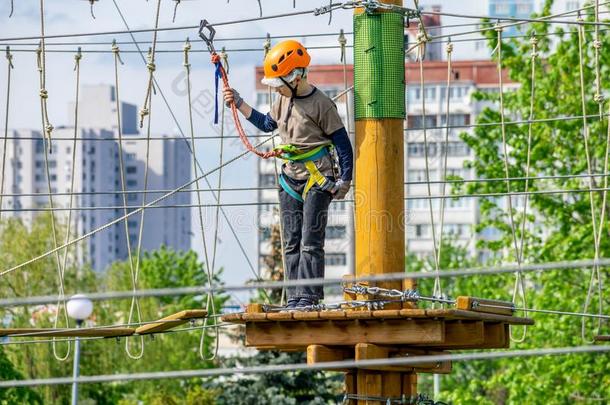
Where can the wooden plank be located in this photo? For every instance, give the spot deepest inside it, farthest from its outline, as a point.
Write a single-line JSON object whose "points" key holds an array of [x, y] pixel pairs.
{"points": [[409, 384], [368, 351], [496, 336], [67, 332], [413, 313], [387, 314], [512, 320], [280, 316], [602, 338], [478, 305], [359, 314], [344, 333], [350, 385], [333, 315], [306, 316], [254, 317], [322, 354], [254, 308], [180, 318], [233, 318], [461, 334]]}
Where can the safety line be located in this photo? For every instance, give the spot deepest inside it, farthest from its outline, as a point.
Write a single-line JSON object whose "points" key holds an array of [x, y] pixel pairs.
{"points": [[9, 68]]}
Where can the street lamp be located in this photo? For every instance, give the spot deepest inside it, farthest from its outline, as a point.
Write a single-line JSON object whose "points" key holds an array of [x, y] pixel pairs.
{"points": [[79, 307]]}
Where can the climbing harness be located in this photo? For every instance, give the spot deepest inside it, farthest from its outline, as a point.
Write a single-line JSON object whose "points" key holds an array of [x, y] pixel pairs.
{"points": [[292, 154], [221, 73]]}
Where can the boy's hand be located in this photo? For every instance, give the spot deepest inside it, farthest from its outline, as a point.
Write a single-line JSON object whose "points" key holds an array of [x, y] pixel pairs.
{"points": [[341, 188], [232, 95]]}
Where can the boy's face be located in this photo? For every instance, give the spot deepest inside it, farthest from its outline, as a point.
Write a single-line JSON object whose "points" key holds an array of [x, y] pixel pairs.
{"points": [[285, 91]]}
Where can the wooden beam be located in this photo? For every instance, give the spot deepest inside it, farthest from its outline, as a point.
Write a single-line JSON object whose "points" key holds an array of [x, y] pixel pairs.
{"points": [[369, 351], [322, 354], [170, 322], [602, 338], [478, 305], [344, 333], [68, 332]]}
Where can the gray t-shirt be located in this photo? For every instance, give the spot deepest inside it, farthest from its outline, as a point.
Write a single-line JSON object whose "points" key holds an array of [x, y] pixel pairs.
{"points": [[313, 119]]}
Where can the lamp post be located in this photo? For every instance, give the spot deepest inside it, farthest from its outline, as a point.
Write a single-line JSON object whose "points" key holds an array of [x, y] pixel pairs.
{"points": [[79, 307]]}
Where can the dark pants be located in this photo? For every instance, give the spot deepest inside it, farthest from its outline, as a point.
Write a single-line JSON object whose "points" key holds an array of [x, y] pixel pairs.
{"points": [[304, 225]]}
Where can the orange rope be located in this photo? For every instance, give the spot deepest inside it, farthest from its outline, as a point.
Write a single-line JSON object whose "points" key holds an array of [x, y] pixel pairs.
{"points": [[240, 129]]}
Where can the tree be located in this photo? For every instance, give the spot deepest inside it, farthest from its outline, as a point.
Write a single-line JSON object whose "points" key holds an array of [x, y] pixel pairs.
{"points": [[558, 225], [20, 395]]}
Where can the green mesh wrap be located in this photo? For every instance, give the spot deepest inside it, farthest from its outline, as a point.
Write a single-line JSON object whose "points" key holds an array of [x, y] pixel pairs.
{"points": [[379, 66]]}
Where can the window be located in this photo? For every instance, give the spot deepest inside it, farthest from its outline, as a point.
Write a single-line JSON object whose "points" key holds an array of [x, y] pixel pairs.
{"points": [[335, 232], [132, 197], [457, 203], [68, 149], [456, 149], [52, 164], [132, 224], [265, 233], [430, 93], [266, 180], [131, 156], [500, 9], [456, 119], [416, 149], [18, 164], [418, 175], [524, 9], [335, 259], [38, 164], [459, 230], [39, 145], [422, 231], [132, 183], [415, 121], [53, 177], [132, 169]]}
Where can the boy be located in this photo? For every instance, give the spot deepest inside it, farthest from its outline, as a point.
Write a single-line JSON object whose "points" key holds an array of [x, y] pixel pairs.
{"points": [[308, 124]]}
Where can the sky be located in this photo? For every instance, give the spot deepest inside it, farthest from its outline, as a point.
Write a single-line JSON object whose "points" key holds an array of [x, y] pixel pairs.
{"points": [[73, 16]]}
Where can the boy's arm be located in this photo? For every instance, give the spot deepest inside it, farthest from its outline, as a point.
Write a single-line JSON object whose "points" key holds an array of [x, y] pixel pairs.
{"points": [[342, 144], [263, 122]]}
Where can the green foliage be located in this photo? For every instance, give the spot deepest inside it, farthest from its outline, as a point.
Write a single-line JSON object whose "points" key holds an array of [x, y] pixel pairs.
{"points": [[286, 388], [14, 395], [558, 227]]}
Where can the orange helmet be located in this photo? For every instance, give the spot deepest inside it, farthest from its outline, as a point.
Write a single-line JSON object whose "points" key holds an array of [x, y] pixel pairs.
{"points": [[283, 59]]}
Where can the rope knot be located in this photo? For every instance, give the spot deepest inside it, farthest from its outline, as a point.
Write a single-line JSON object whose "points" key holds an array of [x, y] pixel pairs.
{"points": [[534, 41], [421, 37], [143, 113], [598, 98], [187, 46], [597, 44], [151, 66], [215, 58], [267, 44], [49, 128], [498, 28], [44, 94], [449, 47]]}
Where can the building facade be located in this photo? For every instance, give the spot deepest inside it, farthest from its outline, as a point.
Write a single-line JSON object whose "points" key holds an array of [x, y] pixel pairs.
{"points": [[97, 193]]}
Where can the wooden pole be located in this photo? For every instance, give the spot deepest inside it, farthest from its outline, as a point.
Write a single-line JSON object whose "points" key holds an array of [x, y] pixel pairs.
{"points": [[379, 192]]}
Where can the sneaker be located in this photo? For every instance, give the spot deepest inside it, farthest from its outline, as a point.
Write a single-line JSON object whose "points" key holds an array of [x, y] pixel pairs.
{"points": [[307, 302], [291, 305]]}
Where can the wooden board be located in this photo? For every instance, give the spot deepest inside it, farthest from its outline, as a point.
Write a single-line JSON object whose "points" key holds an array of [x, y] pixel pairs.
{"points": [[343, 333], [170, 322], [69, 332], [602, 338], [364, 351], [478, 305]]}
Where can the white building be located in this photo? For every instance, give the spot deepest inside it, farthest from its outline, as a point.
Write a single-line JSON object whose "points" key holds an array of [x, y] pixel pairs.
{"points": [[97, 183]]}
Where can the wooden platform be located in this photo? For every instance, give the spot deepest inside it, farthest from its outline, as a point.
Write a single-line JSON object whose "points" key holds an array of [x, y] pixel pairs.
{"points": [[343, 334], [161, 325]]}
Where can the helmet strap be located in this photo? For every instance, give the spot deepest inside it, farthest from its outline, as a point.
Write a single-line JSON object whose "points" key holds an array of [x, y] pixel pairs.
{"points": [[293, 90]]}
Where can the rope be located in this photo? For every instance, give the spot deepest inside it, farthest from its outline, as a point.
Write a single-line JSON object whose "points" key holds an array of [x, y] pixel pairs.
{"points": [[266, 48], [61, 298], [437, 281], [421, 44], [91, 3], [209, 273], [12, 9], [150, 65], [597, 44], [188, 145], [332, 365], [47, 128], [519, 286], [199, 290], [240, 130], [175, 9], [9, 68], [595, 272], [117, 60], [260, 8]]}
